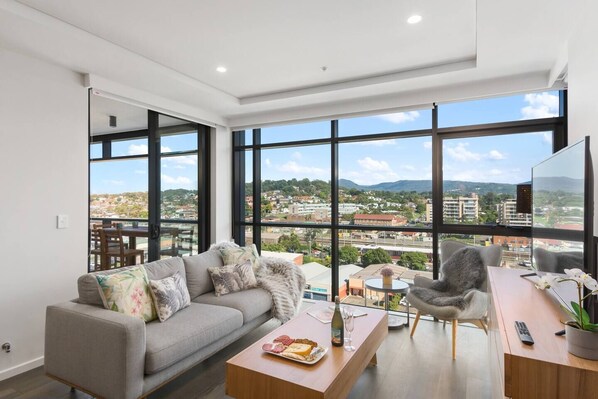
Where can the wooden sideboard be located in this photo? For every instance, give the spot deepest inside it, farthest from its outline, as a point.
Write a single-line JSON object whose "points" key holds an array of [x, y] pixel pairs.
{"points": [[544, 370]]}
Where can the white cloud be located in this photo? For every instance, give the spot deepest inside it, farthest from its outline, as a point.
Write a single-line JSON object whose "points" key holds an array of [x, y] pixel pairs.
{"points": [[400, 117], [268, 162], [294, 167], [541, 105], [547, 137], [408, 167], [372, 165], [495, 172], [428, 145], [462, 154], [375, 143], [496, 155], [165, 149], [115, 182], [296, 155], [187, 160], [140, 172], [137, 149], [179, 180]]}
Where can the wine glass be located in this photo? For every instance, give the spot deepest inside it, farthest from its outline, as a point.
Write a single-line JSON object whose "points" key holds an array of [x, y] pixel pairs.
{"points": [[349, 325]]}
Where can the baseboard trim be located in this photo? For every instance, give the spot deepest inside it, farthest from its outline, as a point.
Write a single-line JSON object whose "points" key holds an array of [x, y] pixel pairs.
{"points": [[21, 368]]}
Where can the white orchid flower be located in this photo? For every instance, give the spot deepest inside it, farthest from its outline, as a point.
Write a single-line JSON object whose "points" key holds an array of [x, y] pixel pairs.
{"points": [[589, 283], [574, 272]]}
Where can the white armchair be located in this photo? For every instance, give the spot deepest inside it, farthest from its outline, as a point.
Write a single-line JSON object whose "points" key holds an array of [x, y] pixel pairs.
{"points": [[444, 302]]}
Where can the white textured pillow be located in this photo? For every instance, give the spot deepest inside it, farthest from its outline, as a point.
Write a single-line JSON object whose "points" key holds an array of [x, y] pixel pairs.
{"points": [[170, 295], [234, 256]]}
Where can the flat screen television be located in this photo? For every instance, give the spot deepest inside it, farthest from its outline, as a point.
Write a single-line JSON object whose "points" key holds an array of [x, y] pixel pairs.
{"points": [[563, 212]]}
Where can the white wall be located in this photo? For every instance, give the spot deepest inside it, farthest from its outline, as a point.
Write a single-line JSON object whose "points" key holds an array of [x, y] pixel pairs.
{"points": [[43, 172], [221, 177], [583, 84]]}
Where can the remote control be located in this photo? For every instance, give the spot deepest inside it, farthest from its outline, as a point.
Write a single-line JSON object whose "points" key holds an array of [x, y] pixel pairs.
{"points": [[523, 332]]}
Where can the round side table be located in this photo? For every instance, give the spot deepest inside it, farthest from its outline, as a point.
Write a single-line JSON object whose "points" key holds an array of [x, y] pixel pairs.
{"points": [[398, 287]]}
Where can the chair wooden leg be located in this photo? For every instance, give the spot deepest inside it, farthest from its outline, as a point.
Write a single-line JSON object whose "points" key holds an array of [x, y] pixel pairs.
{"points": [[415, 323], [483, 324], [455, 323]]}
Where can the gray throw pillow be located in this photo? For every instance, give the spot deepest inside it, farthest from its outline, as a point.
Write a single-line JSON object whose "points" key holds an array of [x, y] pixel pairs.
{"points": [[170, 295], [232, 278]]}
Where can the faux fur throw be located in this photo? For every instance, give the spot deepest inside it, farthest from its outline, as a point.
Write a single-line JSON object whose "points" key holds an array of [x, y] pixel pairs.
{"points": [[285, 282], [462, 272], [282, 279]]}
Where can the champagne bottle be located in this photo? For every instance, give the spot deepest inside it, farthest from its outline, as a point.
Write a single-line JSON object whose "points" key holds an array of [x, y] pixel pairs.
{"points": [[337, 324]]}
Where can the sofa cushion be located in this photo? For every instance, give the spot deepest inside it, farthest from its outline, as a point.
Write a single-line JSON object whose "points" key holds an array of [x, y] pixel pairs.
{"points": [[169, 295], [88, 286], [251, 303], [188, 331], [196, 269], [163, 268], [232, 278], [235, 255], [127, 292]]}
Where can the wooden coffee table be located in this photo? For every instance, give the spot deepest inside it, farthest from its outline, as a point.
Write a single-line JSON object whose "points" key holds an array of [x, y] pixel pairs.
{"points": [[258, 375]]}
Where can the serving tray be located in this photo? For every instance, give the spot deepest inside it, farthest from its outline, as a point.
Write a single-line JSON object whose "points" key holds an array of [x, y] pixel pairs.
{"points": [[319, 350]]}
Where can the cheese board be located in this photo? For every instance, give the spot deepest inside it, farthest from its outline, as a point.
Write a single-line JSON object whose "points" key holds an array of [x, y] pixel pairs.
{"points": [[301, 350]]}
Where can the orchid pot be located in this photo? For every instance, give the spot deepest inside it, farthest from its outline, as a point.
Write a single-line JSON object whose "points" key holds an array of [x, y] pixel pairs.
{"points": [[581, 332], [581, 343]]}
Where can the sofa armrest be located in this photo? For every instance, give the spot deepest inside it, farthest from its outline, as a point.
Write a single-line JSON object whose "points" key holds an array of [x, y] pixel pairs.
{"points": [[421, 281], [95, 349]]}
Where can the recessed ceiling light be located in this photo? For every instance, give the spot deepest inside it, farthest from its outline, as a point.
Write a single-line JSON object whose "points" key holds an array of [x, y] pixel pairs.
{"points": [[221, 69], [414, 19]]}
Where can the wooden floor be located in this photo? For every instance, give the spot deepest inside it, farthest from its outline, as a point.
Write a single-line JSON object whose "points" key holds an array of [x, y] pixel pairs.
{"points": [[421, 367]]}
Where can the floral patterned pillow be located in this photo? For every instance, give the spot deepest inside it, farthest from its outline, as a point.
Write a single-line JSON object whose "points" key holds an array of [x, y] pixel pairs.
{"points": [[127, 292], [170, 295], [232, 278], [236, 255]]}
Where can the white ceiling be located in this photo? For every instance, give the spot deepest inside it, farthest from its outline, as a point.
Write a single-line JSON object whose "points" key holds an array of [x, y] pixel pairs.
{"points": [[274, 50]]}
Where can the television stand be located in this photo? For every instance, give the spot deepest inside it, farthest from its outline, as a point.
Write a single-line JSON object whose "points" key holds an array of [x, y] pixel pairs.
{"points": [[544, 370]]}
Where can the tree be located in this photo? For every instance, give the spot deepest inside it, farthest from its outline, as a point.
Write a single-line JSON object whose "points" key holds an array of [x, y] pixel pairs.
{"points": [[395, 302], [375, 256], [348, 254], [266, 206], [290, 243], [413, 260], [274, 247], [310, 236]]}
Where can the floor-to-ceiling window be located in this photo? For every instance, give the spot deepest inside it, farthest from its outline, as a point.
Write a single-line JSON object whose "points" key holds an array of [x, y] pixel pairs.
{"points": [[344, 197], [148, 181]]}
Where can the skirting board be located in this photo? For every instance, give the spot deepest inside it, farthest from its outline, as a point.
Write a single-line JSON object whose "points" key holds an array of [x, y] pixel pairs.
{"points": [[21, 368]]}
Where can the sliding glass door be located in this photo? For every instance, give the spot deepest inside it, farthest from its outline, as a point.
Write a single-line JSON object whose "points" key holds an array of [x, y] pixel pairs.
{"points": [[148, 180], [175, 168]]}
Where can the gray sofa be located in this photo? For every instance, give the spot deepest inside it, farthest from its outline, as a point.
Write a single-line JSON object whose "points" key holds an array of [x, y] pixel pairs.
{"points": [[112, 355]]}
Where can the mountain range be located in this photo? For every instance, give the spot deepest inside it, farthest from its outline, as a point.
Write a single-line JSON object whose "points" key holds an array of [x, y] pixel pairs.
{"points": [[421, 186]]}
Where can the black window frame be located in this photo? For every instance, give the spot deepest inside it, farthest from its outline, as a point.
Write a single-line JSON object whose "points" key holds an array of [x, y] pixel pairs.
{"points": [[151, 134], [558, 126]]}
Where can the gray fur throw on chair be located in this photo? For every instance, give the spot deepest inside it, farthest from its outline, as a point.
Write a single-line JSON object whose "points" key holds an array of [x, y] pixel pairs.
{"points": [[462, 272]]}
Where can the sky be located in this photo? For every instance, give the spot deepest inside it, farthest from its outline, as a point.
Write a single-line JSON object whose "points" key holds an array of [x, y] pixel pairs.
{"points": [[131, 175], [500, 159]]}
